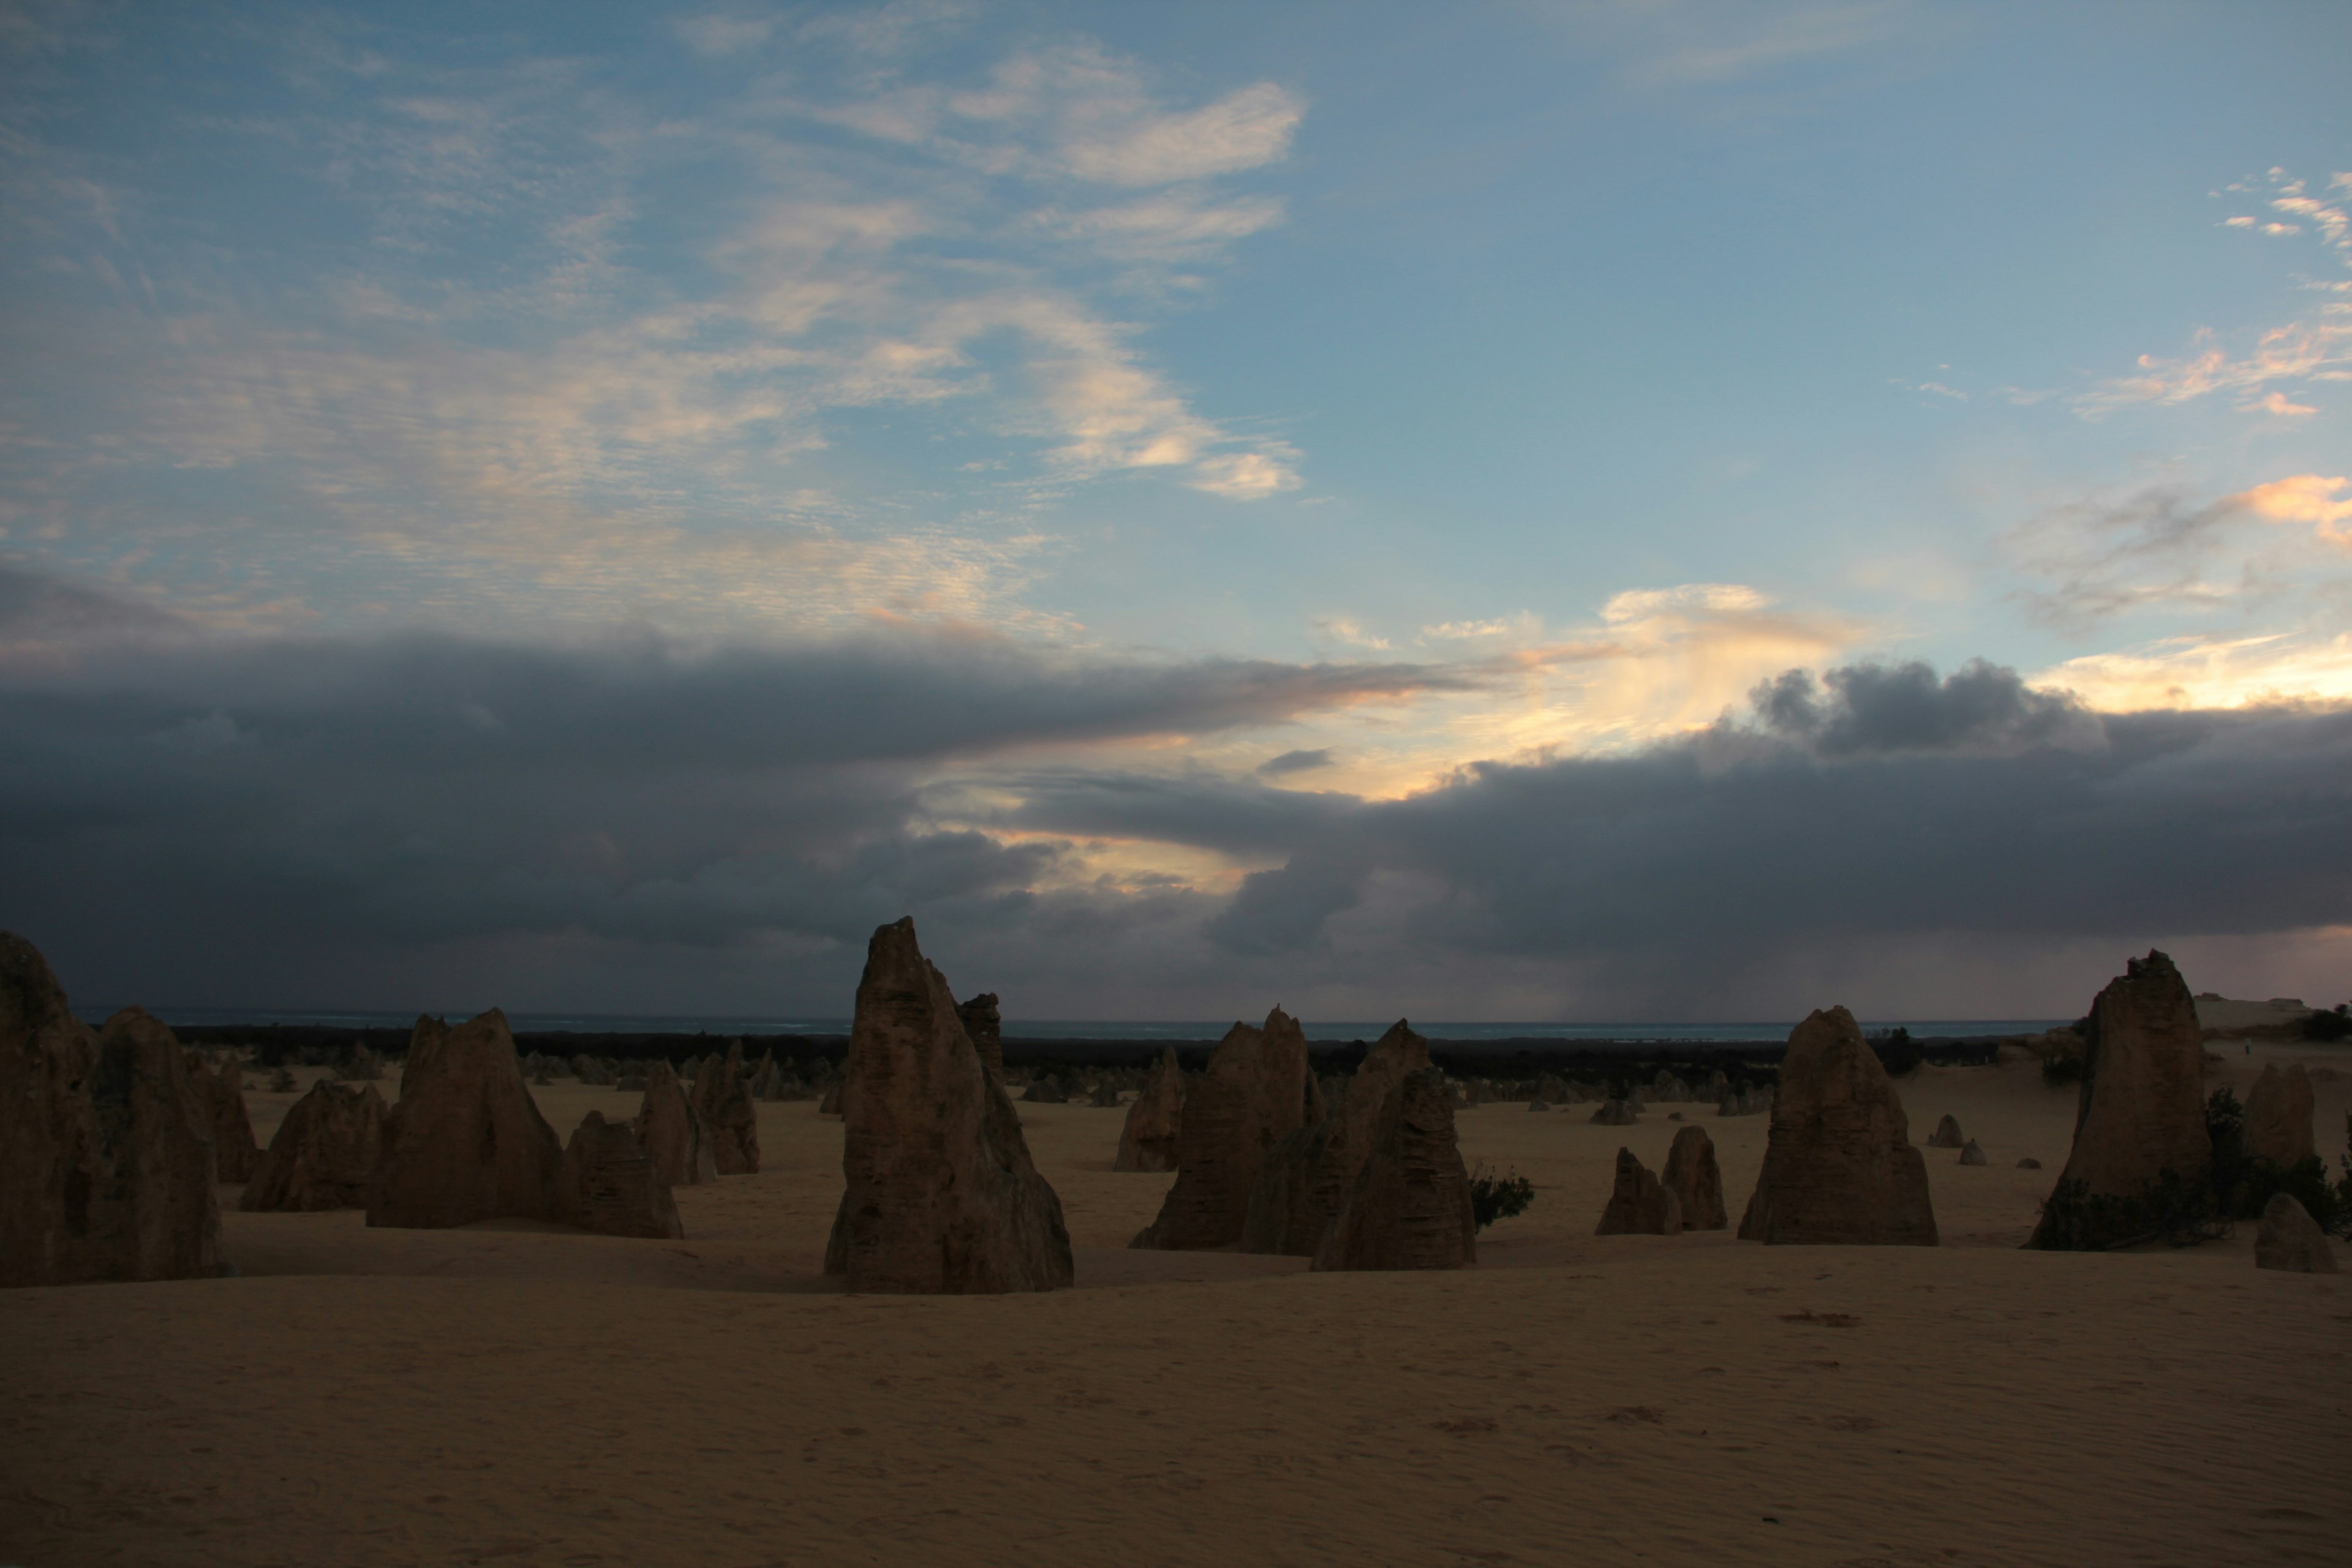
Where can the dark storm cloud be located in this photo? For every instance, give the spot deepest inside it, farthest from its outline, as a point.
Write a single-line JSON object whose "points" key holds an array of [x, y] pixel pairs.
{"points": [[1878, 707], [1293, 763]]}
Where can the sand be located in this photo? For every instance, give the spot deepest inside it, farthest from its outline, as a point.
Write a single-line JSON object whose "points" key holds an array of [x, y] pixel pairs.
{"points": [[513, 1393]]}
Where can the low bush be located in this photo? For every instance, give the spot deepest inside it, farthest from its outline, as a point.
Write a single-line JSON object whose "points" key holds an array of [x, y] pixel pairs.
{"points": [[2335, 1023], [1896, 1052], [1493, 1197]]}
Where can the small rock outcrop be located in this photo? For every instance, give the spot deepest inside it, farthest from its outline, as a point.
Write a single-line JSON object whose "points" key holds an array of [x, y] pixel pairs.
{"points": [[1615, 1113], [235, 1153], [2278, 1126], [152, 1209], [1695, 1181], [1105, 1096], [1308, 1177], [612, 1186], [1045, 1091], [322, 1155], [1839, 1164], [1146, 1142], [983, 1026], [1251, 1098], [1640, 1204], [466, 1142], [2029, 1164], [1947, 1134], [670, 1130], [2140, 1111], [1970, 1154], [1410, 1207], [729, 1116], [941, 1195], [2291, 1239]]}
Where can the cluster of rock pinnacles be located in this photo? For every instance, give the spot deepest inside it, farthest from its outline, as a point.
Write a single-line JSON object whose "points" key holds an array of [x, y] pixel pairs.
{"points": [[111, 1140]]}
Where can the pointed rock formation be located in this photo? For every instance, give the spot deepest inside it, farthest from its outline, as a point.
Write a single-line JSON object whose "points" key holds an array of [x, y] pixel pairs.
{"points": [[466, 1142], [48, 1130], [1615, 1113], [1148, 1139], [323, 1154], [829, 1102], [1252, 1096], [1105, 1096], [729, 1114], [1839, 1164], [1970, 1154], [983, 1026], [1947, 1134], [1045, 1091], [2279, 1116], [1639, 1204], [2291, 1239], [612, 1186], [150, 1213], [670, 1131], [1308, 1177], [1693, 1177], [1410, 1207], [234, 1152], [941, 1195], [2141, 1113]]}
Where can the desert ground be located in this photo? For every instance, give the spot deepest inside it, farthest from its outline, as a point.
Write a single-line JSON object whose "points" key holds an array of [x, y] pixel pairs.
{"points": [[515, 1394]]}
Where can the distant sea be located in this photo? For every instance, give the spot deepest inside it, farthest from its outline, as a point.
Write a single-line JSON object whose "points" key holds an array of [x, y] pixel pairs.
{"points": [[1153, 1030]]}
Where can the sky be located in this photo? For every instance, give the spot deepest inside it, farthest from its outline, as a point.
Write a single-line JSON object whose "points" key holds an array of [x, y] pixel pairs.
{"points": [[1547, 510]]}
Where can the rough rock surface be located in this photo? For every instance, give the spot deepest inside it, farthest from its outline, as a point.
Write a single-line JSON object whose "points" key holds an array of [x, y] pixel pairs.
{"points": [[2291, 1239], [1839, 1164], [1695, 1181], [612, 1186], [48, 1132], [2141, 1110], [1146, 1142], [1105, 1096], [223, 1093], [983, 1024], [670, 1130], [1640, 1204], [2029, 1164], [1970, 1154], [941, 1195], [322, 1155], [1410, 1204], [2278, 1115], [153, 1211], [1947, 1134], [466, 1142], [1308, 1177], [729, 1116], [1615, 1113], [1251, 1098], [1045, 1091]]}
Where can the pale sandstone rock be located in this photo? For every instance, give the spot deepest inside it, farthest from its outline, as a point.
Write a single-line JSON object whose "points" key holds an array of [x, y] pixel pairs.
{"points": [[1308, 1177], [2141, 1109], [152, 1209], [941, 1196], [1839, 1164], [670, 1130], [1252, 1096], [235, 1153], [323, 1154], [1640, 1204], [1947, 1134], [729, 1114], [466, 1142], [2029, 1164], [1615, 1113], [829, 1102], [1970, 1154], [1105, 1095], [49, 1162], [2291, 1239], [1410, 1204], [1148, 1139], [1695, 1181], [612, 1186], [1045, 1091], [2279, 1110]]}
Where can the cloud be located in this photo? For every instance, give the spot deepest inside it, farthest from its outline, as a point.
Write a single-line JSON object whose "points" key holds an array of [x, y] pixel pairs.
{"points": [[2304, 498], [1715, 43], [2296, 352], [717, 33], [1885, 710], [2279, 405], [1294, 763], [2196, 671]]}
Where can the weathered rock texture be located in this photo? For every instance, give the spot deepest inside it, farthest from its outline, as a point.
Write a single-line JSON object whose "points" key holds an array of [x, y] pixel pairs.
{"points": [[1105, 1096], [323, 1154], [1410, 1204], [612, 1186], [2141, 1110], [1146, 1142], [2291, 1239], [1308, 1177], [466, 1142], [983, 1026], [729, 1115], [1615, 1113], [941, 1196], [152, 1210], [1838, 1165], [2279, 1116], [1640, 1204], [1695, 1181], [235, 1153], [670, 1130], [1252, 1096], [1045, 1091], [48, 1130], [1970, 1154], [1947, 1134]]}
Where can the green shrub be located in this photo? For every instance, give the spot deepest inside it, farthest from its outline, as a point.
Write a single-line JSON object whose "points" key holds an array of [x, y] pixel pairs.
{"points": [[1896, 1052], [2333, 1024], [1493, 1197], [2076, 1219]]}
